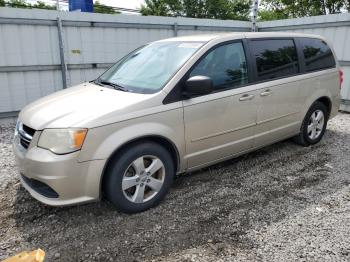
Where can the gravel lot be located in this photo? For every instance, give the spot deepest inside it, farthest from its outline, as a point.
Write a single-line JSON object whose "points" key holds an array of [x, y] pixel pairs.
{"points": [[281, 203]]}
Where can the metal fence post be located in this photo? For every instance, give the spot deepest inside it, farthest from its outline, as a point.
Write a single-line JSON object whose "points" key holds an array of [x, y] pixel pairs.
{"points": [[254, 15], [175, 29], [61, 46]]}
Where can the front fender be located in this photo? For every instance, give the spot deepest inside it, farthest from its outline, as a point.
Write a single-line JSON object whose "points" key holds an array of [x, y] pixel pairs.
{"points": [[102, 142]]}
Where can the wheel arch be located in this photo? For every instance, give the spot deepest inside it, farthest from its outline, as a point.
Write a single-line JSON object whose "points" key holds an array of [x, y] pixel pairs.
{"points": [[327, 102], [322, 96], [161, 140]]}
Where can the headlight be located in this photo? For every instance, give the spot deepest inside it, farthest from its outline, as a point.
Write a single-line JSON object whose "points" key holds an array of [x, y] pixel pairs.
{"points": [[62, 141]]}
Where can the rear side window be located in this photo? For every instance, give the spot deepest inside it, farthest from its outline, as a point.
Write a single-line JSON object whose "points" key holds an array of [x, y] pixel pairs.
{"points": [[317, 54], [275, 58]]}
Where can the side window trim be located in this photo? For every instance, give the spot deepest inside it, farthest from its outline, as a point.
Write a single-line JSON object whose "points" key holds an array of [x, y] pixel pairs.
{"points": [[256, 79], [301, 58], [249, 61], [252, 62], [175, 94]]}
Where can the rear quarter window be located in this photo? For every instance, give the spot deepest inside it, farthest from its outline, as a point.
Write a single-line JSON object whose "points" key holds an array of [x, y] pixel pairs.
{"points": [[317, 54]]}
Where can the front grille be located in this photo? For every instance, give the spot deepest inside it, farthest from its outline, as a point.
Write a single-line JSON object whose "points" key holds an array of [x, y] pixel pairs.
{"points": [[40, 187], [24, 143], [26, 134], [28, 130]]}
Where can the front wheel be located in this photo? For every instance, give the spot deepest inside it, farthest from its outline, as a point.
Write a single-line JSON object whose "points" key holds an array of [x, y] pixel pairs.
{"points": [[314, 125], [139, 177]]}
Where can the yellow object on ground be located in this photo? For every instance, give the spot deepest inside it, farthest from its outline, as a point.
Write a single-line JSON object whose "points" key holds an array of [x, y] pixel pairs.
{"points": [[33, 256]]}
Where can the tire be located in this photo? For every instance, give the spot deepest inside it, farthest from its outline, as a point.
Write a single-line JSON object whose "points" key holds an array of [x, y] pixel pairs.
{"points": [[139, 177], [313, 129]]}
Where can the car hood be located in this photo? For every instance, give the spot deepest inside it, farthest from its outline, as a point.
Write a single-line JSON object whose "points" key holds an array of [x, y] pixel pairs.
{"points": [[86, 105]]}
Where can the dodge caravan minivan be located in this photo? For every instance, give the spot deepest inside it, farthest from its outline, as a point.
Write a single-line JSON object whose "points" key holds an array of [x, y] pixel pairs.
{"points": [[174, 106]]}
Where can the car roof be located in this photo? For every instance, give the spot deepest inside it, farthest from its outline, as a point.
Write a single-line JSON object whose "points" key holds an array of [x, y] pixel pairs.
{"points": [[236, 35], [193, 38], [278, 34]]}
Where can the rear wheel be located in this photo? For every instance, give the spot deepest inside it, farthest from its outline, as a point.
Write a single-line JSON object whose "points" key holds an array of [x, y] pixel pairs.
{"points": [[314, 125], [139, 177]]}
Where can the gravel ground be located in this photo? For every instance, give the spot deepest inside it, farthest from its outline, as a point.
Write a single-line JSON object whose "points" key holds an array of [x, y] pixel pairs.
{"points": [[281, 203]]}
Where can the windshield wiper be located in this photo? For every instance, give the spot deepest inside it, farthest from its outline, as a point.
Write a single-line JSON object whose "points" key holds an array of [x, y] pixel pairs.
{"points": [[96, 82], [104, 83]]}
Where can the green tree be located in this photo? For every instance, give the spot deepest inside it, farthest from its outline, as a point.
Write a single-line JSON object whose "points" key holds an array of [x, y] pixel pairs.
{"points": [[155, 7], [216, 9], [220, 9], [104, 9], [42, 5], [18, 4], [280, 9], [334, 6], [98, 7], [269, 15]]}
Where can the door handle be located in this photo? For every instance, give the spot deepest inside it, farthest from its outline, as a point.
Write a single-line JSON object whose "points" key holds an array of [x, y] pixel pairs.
{"points": [[267, 92], [246, 97]]}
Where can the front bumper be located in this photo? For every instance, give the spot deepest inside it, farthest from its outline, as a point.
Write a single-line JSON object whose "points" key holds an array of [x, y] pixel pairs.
{"points": [[72, 181]]}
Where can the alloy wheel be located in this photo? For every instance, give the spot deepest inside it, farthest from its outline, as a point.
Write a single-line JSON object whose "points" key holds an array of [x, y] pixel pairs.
{"points": [[143, 179], [316, 124]]}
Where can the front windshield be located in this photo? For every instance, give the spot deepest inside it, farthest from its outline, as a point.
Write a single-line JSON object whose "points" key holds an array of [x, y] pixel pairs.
{"points": [[147, 69]]}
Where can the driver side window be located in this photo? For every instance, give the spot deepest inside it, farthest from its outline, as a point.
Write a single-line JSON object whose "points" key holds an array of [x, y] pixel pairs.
{"points": [[225, 65]]}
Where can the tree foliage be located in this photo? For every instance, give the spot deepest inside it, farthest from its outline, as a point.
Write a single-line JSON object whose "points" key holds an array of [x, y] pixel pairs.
{"points": [[217, 9], [281, 9], [155, 7], [43, 5], [98, 7], [18, 4], [24, 4], [268, 15]]}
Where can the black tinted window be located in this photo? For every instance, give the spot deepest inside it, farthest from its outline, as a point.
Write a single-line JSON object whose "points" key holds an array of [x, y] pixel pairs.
{"points": [[317, 54], [226, 65], [275, 58]]}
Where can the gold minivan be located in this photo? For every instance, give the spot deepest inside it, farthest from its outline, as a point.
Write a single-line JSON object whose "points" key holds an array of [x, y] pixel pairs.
{"points": [[174, 106]]}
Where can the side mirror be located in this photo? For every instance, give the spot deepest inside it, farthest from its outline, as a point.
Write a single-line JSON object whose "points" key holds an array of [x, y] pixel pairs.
{"points": [[198, 85]]}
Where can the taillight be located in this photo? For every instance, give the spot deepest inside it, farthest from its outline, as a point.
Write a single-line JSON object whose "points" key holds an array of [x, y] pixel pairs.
{"points": [[341, 78]]}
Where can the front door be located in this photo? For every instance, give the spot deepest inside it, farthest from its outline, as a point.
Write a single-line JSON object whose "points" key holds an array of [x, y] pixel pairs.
{"points": [[220, 124]]}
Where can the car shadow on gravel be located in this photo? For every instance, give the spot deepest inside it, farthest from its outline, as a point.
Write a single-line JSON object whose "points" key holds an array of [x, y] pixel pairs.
{"points": [[219, 204]]}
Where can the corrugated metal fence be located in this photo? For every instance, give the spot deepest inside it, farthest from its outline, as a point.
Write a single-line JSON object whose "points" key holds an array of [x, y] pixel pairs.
{"points": [[41, 53], [31, 65]]}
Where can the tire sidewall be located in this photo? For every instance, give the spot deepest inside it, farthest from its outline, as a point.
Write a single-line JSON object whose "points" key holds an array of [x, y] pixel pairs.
{"points": [[316, 106], [115, 173]]}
